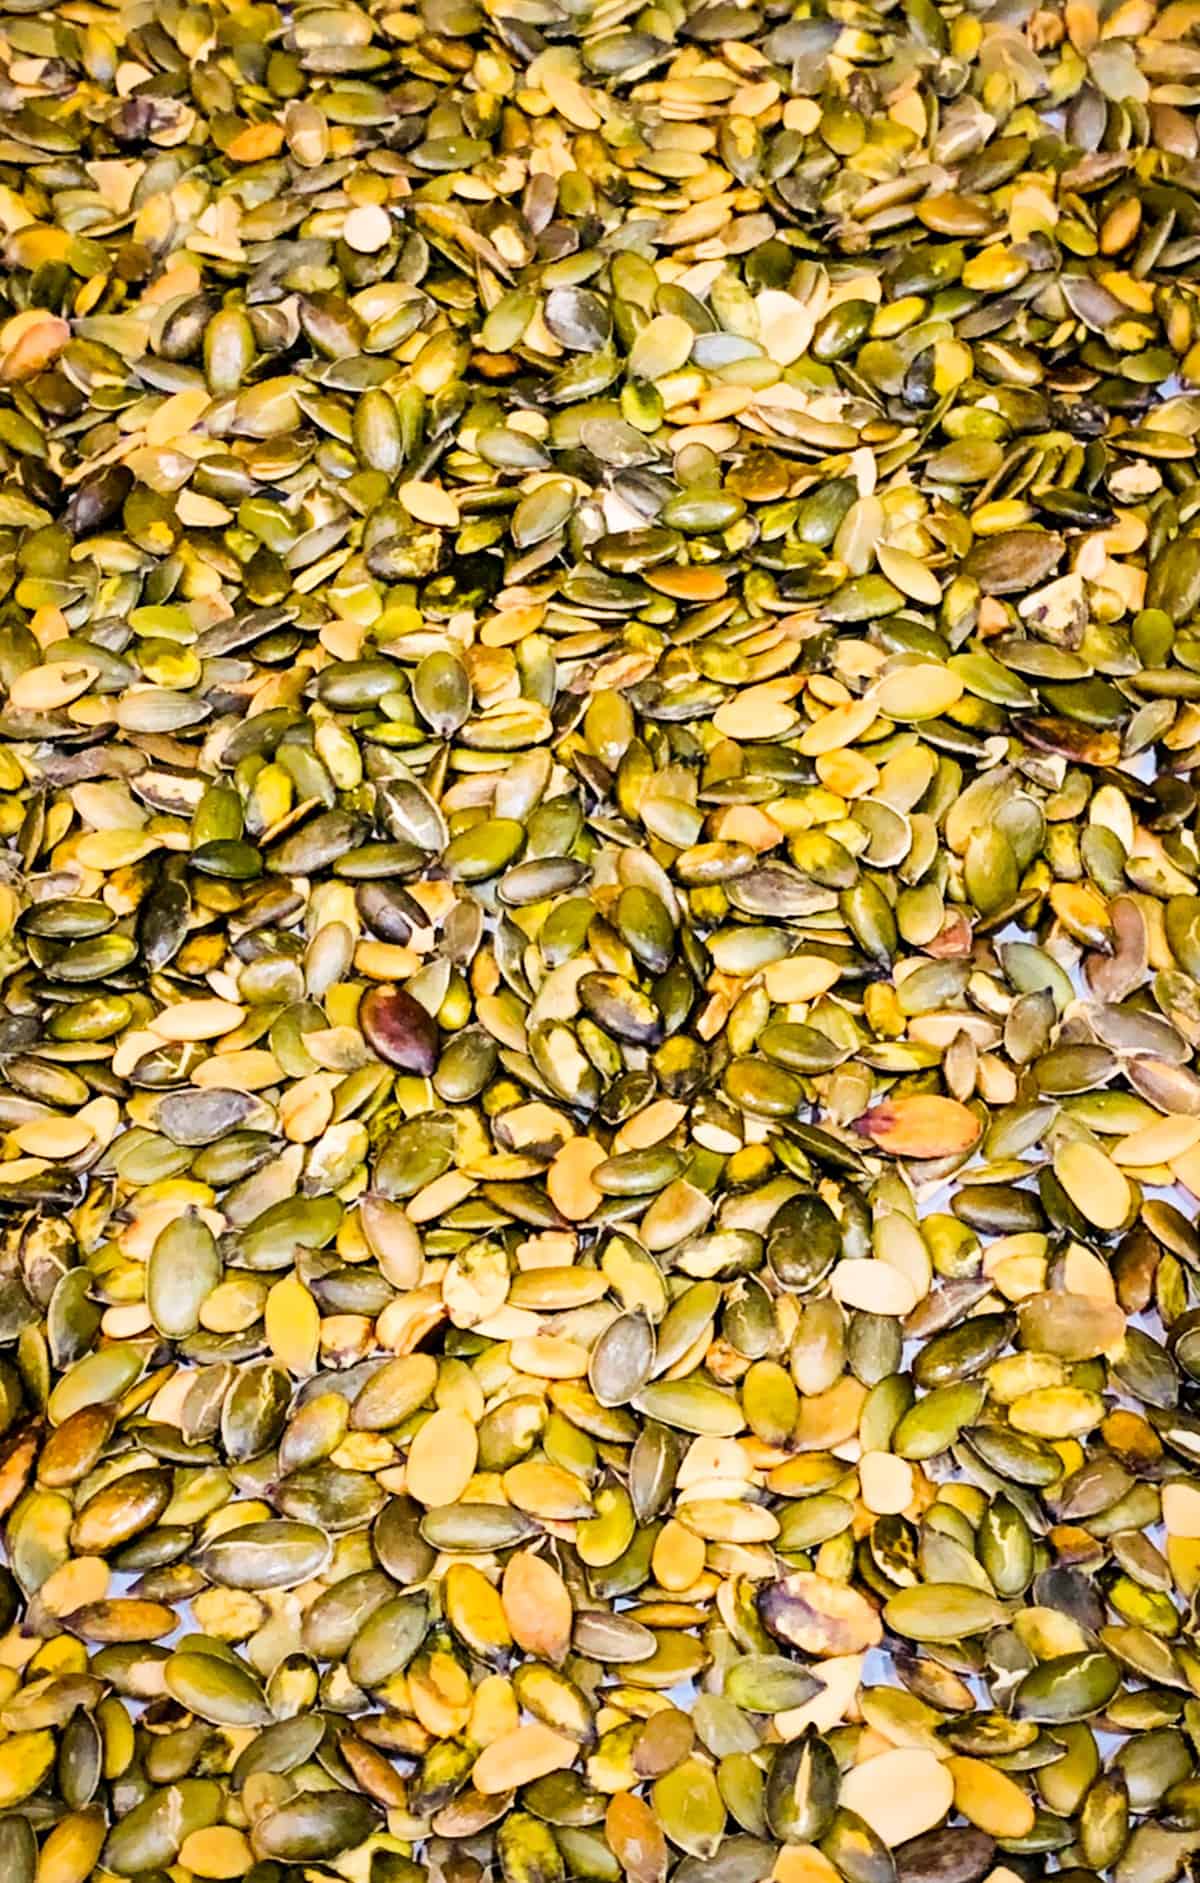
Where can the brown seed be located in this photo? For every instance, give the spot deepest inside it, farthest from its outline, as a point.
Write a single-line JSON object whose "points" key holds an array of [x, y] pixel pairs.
{"points": [[635, 1839], [819, 1616], [922, 1126], [537, 1606]]}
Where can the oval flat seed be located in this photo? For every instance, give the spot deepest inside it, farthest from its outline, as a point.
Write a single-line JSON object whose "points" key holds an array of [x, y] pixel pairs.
{"points": [[1094, 1183], [991, 1800], [887, 1483], [918, 692], [920, 1126], [520, 1756], [441, 1459], [942, 1612], [900, 1795], [822, 1617], [875, 1286], [313, 1826], [219, 1691]]}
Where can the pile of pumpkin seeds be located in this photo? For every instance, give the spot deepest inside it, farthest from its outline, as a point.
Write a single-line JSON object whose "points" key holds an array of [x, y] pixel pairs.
{"points": [[599, 941]]}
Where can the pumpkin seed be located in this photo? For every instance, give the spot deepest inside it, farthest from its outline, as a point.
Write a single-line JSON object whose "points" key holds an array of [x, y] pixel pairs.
{"points": [[600, 919]]}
